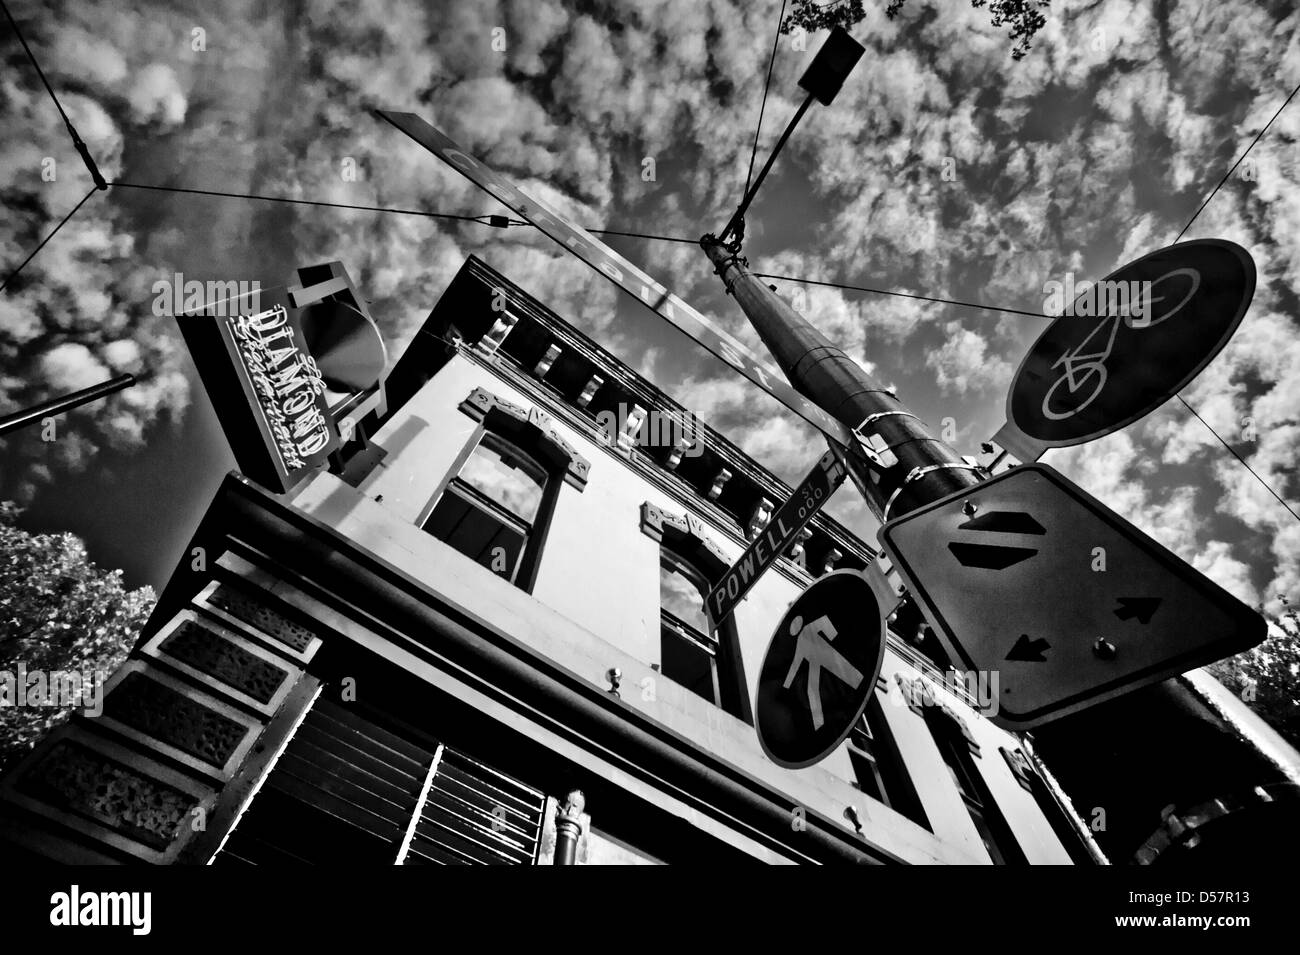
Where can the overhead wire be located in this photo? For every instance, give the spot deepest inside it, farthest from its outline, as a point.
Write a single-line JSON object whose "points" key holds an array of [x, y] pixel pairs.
{"points": [[1214, 192]]}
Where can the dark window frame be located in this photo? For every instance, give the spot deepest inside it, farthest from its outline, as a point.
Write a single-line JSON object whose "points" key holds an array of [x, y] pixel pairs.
{"points": [[682, 537], [953, 741], [673, 627], [524, 573], [873, 748]]}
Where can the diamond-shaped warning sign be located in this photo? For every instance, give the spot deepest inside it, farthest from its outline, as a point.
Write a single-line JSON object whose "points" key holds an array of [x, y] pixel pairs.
{"points": [[1028, 576]]}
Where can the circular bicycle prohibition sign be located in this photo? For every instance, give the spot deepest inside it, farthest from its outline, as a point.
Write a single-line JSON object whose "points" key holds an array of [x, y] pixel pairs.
{"points": [[1131, 342]]}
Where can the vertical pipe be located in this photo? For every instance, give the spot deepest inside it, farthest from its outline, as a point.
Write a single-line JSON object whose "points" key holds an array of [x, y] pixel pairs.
{"points": [[568, 827]]}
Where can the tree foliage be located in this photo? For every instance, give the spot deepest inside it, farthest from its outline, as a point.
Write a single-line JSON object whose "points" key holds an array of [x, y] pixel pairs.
{"points": [[1021, 16], [58, 612], [1266, 677]]}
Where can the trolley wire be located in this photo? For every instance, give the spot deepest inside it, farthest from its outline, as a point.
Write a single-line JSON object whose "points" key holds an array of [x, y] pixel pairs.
{"points": [[499, 221], [1214, 192], [1228, 175], [53, 233], [77, 143], [481, 219], [1233, 451], [882, 291], [771, 61]]}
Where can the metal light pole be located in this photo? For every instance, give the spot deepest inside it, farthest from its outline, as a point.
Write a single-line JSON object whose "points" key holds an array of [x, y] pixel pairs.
{"points": [[925, 468], [907, 466]]}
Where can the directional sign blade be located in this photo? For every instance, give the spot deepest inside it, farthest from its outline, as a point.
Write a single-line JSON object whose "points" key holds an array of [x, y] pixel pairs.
{"points": [[621, 272], [775, 538], [1069, 603], [1126, 345], [821, 666]]}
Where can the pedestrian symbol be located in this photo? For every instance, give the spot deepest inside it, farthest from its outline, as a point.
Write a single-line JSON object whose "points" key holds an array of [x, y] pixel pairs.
{"points": [[821, 666], [813, 647]]}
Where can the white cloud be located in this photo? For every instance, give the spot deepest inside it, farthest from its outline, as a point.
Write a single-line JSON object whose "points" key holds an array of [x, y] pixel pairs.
{"points": [[157, 94], [71, 367], [963, 363]]}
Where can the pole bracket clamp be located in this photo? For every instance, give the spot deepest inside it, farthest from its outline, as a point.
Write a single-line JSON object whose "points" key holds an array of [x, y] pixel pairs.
{"points": [[917, 474], [873, 446]]}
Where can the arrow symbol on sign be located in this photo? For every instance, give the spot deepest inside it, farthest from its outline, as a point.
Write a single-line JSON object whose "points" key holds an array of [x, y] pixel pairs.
{"points": [[1029, 651], [1141, 607]]}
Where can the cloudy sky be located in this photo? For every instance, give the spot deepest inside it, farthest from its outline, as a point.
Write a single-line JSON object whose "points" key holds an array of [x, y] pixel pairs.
{"points": [[1093, 150]]}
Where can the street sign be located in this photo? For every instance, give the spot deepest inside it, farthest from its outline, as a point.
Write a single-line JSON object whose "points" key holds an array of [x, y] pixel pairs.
{"points": [[1028, 576], [621, 272], [821, 666], [777, 536], [1127, 345]]}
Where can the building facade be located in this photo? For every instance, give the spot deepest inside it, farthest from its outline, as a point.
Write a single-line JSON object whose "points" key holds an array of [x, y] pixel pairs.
{"points": [[479, 637]]}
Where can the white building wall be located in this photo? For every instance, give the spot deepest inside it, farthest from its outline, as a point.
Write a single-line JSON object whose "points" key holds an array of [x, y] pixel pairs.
{"points": [[600, 573]]}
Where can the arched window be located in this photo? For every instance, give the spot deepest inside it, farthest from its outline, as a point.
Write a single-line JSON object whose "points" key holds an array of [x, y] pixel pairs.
{"points": [[878, 766], [957, 747], [496, 504], [692, 651], [688, 653], [493, 510]]}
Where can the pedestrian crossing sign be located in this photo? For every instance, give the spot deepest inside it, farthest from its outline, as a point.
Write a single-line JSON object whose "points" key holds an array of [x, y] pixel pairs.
{"points": [[821, 666]]}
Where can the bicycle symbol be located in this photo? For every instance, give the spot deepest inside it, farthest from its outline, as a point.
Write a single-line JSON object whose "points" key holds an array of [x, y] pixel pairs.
{"points": [[1085, 372]]}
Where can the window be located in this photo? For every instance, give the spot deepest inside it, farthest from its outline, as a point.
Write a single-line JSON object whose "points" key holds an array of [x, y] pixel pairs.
{"points": [[984, 812], [688, 652], [494, 509], [703, 658], [705, 662], [879, 767]]}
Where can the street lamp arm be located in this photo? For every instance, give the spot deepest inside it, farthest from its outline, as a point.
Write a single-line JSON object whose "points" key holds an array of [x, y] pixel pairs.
{"points": [[737, 223]]}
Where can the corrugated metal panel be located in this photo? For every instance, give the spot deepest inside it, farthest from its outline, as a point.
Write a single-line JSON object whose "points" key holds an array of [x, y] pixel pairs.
{"points": [[345, 790]]}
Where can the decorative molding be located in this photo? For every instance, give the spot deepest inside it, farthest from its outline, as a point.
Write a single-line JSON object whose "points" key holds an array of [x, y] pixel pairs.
{"points": [[226, 663], [917, 694], [922, 700], [627, 435], [533, 428], [249, 615], [724, 475], [675, 456], [798, 553], [758, 517], [163, 714], [1020, 768], [657, 523], [120, 798], [543, 366], [589, 390], [495, 335]]}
